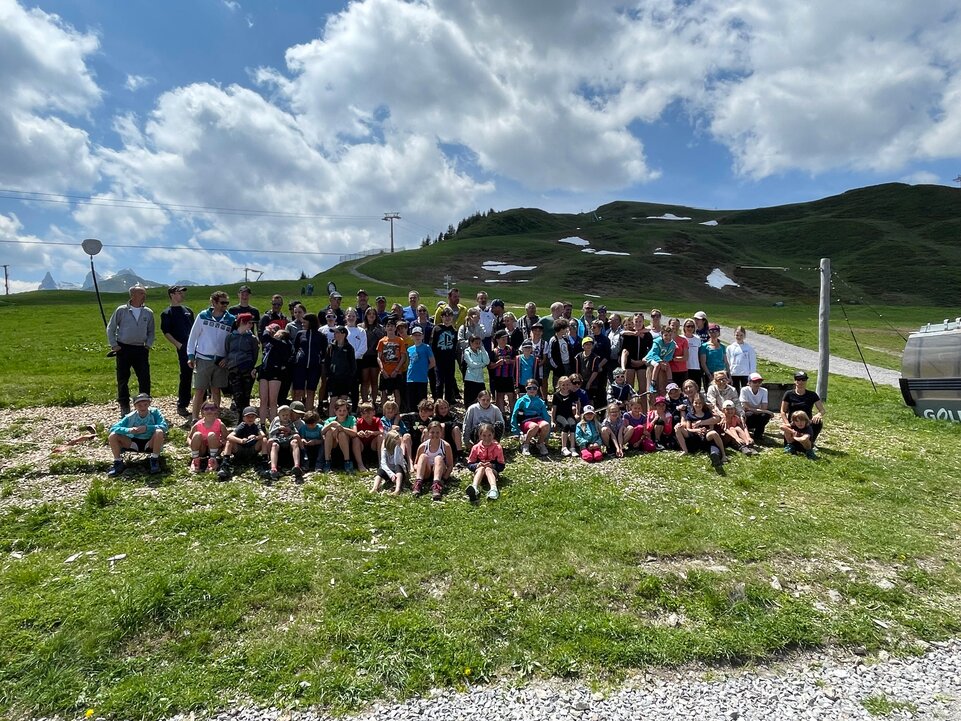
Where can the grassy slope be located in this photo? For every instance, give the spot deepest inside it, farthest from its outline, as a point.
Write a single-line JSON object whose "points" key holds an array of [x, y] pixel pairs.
{"points": [[574, 572]]}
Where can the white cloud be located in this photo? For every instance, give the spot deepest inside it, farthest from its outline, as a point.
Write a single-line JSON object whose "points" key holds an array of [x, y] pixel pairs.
{"points": [[231, 5], [136, 82], [43, 73], [923, 177]]}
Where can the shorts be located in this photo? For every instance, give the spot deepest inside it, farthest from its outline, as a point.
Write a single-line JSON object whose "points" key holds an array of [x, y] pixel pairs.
{"points": [[365, 362], [389, 385], [140, 445], [270, 374], [527, 425], [208, 374], [305, 378], [502, 384]]}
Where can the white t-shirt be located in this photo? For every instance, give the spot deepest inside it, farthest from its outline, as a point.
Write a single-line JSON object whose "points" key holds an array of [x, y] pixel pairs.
{"points": [[693, 346], [741, 359], [754, 399]]}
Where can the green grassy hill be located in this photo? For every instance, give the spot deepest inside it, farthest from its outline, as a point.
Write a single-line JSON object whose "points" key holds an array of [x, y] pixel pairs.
{"points": [[892, 243]]}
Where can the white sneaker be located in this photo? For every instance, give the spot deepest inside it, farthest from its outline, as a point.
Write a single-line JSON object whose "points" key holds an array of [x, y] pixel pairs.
{"points": [[566, 452], [525, 449], [542, 449]]}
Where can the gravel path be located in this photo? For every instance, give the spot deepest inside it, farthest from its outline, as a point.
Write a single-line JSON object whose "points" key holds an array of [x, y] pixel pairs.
{"points": [[794, 356], [833, 685]]}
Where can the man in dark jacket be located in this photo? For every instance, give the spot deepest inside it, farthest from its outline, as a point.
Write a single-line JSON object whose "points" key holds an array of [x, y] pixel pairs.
{"points": [[175, 324]]}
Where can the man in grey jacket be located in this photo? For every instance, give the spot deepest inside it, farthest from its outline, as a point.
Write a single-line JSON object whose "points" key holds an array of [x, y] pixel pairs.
{"points": [[130, 335]]}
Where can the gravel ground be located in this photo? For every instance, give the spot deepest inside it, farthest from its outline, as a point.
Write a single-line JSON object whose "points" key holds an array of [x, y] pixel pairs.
{"points": [[794, 356], [814, 686]]}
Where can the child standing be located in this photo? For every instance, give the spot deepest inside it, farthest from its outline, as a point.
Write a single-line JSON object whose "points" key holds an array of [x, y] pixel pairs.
{"points": [[502, 371], [420, 359], [588, 436], [476, 359], [564, 414], [443, 343], [392, 359], [486, 460], [242, 349], [587, 364], [525, 366]]}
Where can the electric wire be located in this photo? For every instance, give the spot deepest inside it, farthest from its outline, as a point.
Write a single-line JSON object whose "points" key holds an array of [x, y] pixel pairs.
{"points": [[854, 338]]}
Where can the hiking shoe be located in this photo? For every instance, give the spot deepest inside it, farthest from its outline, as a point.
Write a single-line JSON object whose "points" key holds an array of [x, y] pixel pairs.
{"points": [[195, 466], [224, 473], [418, 487], [154, 465], [436, 491], [811, 454], [124, 409], [471, 494], [525, 449], [117, 469], [348, 466], [716, 459], [493, 494], [274, 474], [298, 474], [789, 449], [212, 464], [566, 452], [542, 449]]}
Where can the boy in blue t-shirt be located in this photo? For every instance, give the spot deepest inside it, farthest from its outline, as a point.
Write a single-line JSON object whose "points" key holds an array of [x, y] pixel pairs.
{"points": [[420, 361]]}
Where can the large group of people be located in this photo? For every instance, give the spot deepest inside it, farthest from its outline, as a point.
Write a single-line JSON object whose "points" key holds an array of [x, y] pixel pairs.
{"points": [[371, 385]]}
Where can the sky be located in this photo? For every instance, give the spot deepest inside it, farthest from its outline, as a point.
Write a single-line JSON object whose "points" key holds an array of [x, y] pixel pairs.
{"points": [[195, 138]]}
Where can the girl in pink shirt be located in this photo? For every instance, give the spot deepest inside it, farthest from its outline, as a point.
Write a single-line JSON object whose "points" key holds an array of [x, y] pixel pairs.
{"points": [[486, 460]]}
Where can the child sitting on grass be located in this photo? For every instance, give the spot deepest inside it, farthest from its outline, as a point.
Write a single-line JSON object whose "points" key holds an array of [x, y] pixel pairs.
{"points": [[245, 442], [660, 425], [340, 430], [483, 411], [393, 463], [370, 434], [486, 460], [613, 430], [564, 414], [144, 429], [734, 431], [284, 435], [207, 435], [638, 435], [312, 441], [588, 436], [452, 428], [799, 435], [434, 459], [391, 421]]}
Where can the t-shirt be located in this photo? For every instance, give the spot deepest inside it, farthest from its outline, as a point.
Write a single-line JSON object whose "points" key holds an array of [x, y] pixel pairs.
{"points": [[679, 366], [564, 405], [755, 399], [693, 346], [415, 424], [311, 434], [525, 368], [246, 430], [349, 422], [374, 424], [389, 350], [177, 320], [800, 402], [419, 362], [714, 357]]}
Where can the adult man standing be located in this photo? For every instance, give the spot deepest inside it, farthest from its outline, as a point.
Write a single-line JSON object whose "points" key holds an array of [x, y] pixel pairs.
{"points": [[130, 334], [175, 324], [410, 310], [207, 350], [362, 303], [334, 305], [244, 305], [381, 308], [557, 310], [274, 315], [460, 310], [486, 319]]}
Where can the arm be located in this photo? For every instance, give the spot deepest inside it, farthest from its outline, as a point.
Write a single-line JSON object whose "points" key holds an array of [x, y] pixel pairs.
{"points": [[157, 422], [151, 329]]}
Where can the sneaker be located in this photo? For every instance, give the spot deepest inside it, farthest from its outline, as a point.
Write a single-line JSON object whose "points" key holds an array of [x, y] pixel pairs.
{"points": [[298, 474], [525, 449], [716, 459], [224, 473], [493, 494], [115, 470], [319, 467], [542, 449], [195, 465], [274, 474], [154, 465], [348, 466], [566, 452], [811, 454], [789, 449], [212, 464], [471, 494], [124, 409], [418, 487], [659, 447], [436, 491]]}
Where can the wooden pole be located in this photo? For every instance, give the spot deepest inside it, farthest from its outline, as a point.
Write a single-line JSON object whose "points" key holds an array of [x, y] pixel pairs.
{"points": [[824, 317]]}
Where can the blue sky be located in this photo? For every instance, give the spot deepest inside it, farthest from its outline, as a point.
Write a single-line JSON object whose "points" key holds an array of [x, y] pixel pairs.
{"points": [[326, 115]]}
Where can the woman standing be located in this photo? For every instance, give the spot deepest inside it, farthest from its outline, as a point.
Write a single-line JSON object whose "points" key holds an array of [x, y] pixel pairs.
{"points": [[713, 356], [741, 359], [369, 369]]}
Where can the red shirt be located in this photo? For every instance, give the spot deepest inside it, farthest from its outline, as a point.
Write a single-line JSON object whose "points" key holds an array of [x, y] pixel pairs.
{"points": [[491, 453]]}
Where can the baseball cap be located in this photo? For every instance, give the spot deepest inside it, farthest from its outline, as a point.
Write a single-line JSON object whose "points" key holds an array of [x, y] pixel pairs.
{"points": [[142, 397], [361, 292], [672, 387], [417, 330], [662, 399], [587, 409], [283, 408], [755, 377], [297, 407], [336, 294], [701, 315], [381, 298], [250, 411], [244, 289], [497, 303], [176, 289], [800, 376], [245, 318], [587, 339], [527, 344], [137, 286], [602, 309], [728, 404]]}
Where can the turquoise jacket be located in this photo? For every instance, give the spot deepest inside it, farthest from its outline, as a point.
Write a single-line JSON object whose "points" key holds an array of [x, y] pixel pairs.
{"points": [[587, 432], [528, 408], [153, 420]]}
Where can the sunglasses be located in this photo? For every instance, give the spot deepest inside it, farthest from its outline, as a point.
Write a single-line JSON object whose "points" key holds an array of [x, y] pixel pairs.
{"points": [[576, 383], [223, 302]]}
